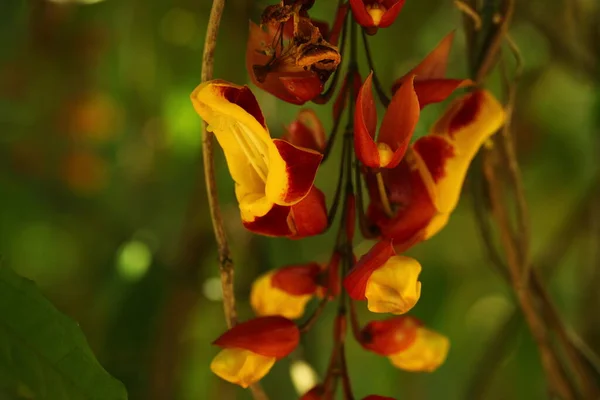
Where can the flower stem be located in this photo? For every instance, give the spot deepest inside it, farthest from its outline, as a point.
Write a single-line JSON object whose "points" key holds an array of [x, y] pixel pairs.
{"points": [[385, 201], [385, 100]]}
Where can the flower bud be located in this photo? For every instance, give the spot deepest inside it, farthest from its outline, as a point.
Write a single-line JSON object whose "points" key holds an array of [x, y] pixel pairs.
{"points": [[375, 14]]}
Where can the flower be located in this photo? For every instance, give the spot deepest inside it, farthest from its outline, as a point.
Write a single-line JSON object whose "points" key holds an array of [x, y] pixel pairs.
{"points": [[273, 177], [285, 291], [297, 71], [407, 343], [251, 348], [430, 83], [306, 131], [389, 282], [373, 14], [396, 129], [425, 187]]}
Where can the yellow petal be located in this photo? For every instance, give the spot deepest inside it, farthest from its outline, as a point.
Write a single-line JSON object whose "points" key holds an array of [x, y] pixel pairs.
{"points": [[394, 287], [426, 354], [241, 367], [436, 224], [268, 300], [467, 124]]}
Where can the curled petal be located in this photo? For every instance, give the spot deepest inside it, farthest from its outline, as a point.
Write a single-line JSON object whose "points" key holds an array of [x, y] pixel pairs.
{"points": [[272, 336], [390, 336], [241, 367], [302, 87], [435, 63], [468, 123], [373, 14], [361, 14], [399, 123], [268, 299], [394, 287], [365, 126], [306, 131], [356, 280], [274, 223], [291, 175], [297, 279], [393, 9], [309, 216], [436, 90], [428, 351]]}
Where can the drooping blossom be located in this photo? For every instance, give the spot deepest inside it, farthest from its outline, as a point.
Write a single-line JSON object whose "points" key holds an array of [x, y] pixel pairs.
{"points": [[430, 82], [250, 349], [306, 131], [373, 14], [396, 129], [425, 187], [387, 281], [273, 178], [285, 291], [290, 57], [407, 343]]}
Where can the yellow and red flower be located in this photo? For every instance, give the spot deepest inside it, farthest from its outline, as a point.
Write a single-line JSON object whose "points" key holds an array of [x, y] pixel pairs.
{"points": [[251, 348], [285, 291], [388, 282], [425, 187], [430, 82], [396, 129], [373, 14], [273, 177], [407, 343]]}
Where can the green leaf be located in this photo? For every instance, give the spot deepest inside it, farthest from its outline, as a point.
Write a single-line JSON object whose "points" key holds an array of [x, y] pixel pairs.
{"points": [[44, 353]]}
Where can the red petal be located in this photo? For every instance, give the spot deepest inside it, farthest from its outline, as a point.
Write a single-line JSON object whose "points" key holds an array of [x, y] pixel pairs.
{"points": [[315, 393], [415, 208], [391, 14], [434, 65], [268, 336], [306, 131], [399, 121], [273, 223], [435, 90], [469, 109], [390, 336], [309, 216], [356, 280], [301, 168], [243, 97], [360, 13], [303, 88], [434, 150], [297, 279], [365, 124]]}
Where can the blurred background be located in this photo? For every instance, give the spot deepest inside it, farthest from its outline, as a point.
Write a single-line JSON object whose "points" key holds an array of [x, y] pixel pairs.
{"points": [[101, 203]]}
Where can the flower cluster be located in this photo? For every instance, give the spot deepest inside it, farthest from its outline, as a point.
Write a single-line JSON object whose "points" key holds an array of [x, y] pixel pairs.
{"points": [[413, 186]]}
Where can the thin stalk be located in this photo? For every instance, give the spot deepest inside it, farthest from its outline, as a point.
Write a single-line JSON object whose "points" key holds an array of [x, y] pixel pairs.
{"points": [[385, 202], [385, 100]]}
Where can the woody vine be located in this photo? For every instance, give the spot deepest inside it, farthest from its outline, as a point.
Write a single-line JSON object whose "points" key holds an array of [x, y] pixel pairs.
{"points": [[395, 192]]}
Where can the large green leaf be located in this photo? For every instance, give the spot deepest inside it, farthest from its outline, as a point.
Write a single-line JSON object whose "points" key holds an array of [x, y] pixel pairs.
{"points": [[44, 353]]}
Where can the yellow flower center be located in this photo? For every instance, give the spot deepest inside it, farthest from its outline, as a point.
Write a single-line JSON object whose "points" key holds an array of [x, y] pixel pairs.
{"points": [[253, 148], [376, 12]]}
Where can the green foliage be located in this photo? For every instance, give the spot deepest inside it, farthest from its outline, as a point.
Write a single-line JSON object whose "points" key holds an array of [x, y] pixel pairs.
{"points": [[44, 353]]}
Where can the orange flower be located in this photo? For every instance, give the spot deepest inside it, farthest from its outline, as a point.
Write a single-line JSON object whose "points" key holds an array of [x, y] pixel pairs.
{"points": [[251, 348], [294, 72], [285, 291], [430, 83], [306, 131], [387, 281], [375, 14], [407, 344], [425, 187], [273, 178], [396, 129]]}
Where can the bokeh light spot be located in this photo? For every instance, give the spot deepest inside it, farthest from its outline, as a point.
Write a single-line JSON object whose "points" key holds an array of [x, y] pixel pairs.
{"points": [[303, 375], [211, 288], [134, 259]]}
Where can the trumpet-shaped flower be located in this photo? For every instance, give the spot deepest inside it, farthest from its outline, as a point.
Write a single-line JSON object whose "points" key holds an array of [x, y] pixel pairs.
{"points": [[425, 187], [407, 343], [251, 348], [396, 129], [285, 291], [387, 281], [430, 82], [273, 178], [373, 14]]}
